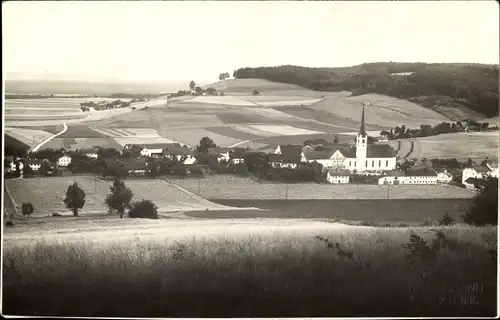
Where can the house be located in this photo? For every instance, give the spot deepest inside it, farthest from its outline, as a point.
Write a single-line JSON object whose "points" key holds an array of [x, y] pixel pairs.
{"points": [[34, 164], [9, 164], [444, 177], [337, 176], [135, 167], [411, 176], [476, 171], [63, 161], [237, 155], [148, 150], [359, 156], [492, 165], [91, 153], [222, 154], [179, 153], [291, 161]]}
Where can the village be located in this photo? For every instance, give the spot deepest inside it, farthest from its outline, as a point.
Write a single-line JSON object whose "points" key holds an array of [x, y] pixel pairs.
{"points": [[364, 161]]}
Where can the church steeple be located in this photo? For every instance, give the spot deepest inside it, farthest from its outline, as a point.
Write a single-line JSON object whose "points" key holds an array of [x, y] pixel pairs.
{"points": [[362, 130]]}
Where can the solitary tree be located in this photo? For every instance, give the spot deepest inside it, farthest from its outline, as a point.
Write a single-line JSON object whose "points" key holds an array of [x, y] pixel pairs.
{"points": [[119, 198], [75, 198], [484, 209], [223, 76], [144, 209], [27, 208], [192, 85], [198, 90], [205, 144], [255, 92]]}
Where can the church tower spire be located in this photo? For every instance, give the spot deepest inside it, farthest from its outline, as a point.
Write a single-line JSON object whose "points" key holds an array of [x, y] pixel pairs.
{"points": [[362, 130]]}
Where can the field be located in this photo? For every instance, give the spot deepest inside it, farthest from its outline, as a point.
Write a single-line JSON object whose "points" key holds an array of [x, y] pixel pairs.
{"points": [[27, 136], [166, 196], [246, 268], [239, 188], [378, 212], [384, 111], [462, 145]]}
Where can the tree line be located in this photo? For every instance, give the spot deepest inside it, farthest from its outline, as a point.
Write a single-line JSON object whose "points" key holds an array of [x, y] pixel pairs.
{"points": [[472, 85]]}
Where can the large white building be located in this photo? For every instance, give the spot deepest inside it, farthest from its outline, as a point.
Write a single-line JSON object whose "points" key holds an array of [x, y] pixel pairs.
{"points": [[363, 158]]}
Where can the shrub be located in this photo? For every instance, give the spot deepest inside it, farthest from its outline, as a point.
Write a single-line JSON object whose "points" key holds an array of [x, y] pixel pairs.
{"points": [[55, 214], [27, 209], [446, 220], [9, 223], [256, 93], [144, 209]]}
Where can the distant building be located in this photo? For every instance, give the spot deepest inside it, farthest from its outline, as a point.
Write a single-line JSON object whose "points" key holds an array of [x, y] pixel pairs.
{"points": [[237, 155], [291, 161], [90, 153], [444, 177], [222, 154], [476, 171], [34, 164], [419, 176], [492, 165], [360, 157], [63, 161], [149, 150], [337, 176]]}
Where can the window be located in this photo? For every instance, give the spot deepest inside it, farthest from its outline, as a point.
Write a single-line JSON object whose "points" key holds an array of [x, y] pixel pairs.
{"points": [[387, 163], [380, 163], [354, 163], [366, 163], [373, 163], [349, 163]]}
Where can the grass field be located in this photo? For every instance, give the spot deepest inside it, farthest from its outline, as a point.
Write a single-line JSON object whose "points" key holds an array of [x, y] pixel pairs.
{"points": [[462, 145], [383, 111], [404, 211], [27, 136], [239, 188], [242, 269], [81, 143], [47, 194]]}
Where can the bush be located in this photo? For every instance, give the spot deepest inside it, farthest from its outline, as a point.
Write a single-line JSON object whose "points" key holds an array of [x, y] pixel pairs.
{"points": [[446, 220], [144, 209], [9, 223], [55, 214], [256, 93], [27, 209]]}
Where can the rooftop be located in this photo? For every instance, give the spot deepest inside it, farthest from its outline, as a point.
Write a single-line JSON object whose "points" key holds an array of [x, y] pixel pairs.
{"points": [[290, 148], [339, 173]]}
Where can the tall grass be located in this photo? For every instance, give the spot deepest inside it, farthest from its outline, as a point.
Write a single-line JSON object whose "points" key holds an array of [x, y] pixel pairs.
{"points": [[260, 276]]}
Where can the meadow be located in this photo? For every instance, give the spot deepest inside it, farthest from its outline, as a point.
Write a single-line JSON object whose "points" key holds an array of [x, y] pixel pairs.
{"points": [[47, 194], [376, 212], [284, 272], [27, 136], [239, 188]]}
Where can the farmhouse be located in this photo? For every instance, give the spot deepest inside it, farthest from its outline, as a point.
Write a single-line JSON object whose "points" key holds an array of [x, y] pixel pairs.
{"points": [[91, 153], [157, 149], [183, 154], [135, 167], [493, 166], [64, 161], [237, 155], [34, 164], [337, 176], [415, 176], [222, 154], [362, 157], [444, 177], [476, 171], [284, 160]]}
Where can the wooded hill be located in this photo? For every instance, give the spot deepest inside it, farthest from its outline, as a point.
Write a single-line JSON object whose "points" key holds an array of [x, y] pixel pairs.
{"points": [[474, 86]]}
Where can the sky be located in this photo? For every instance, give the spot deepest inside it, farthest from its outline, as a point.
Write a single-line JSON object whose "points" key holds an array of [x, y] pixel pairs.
{"points": [[172, 41]]}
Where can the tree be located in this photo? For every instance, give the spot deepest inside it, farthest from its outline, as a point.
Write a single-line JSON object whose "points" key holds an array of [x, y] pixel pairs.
{"points": [[255, 92], [144, 209], [205, 144], [336, 139], [484, 209], [27, 209], [46, 168], [75, 198], [469, 162], [212, 91], [221, 93], [120, 197], [199, 90], [223, 76], [192, 85]]}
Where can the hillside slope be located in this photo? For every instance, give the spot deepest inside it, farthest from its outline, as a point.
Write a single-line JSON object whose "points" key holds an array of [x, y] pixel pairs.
{"points": [[265, 87], [468, 87]]}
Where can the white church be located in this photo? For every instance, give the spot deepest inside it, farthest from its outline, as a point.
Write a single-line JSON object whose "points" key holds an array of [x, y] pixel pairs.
{"points": [[363, 158]]}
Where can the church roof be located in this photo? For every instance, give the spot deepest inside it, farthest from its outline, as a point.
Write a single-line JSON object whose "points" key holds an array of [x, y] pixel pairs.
{"points": [[380, 151], [319, 154]]}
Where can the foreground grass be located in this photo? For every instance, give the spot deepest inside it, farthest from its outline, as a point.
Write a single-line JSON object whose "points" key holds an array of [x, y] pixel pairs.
{"points": [[277, 276]]}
